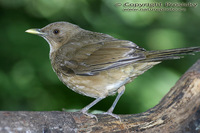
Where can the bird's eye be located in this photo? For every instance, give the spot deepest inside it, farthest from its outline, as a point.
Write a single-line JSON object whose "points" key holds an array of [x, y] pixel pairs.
{"points": [[56, 31]]}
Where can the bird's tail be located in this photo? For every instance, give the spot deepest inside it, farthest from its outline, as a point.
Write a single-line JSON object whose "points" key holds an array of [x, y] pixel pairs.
{"points": [[160, 55]]}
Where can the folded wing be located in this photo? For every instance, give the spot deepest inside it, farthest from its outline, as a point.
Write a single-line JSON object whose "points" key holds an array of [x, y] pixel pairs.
{"points": [[93, 58]]}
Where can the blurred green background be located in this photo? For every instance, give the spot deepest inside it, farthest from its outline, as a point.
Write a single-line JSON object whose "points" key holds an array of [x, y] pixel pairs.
{"points": [[27, 81]]}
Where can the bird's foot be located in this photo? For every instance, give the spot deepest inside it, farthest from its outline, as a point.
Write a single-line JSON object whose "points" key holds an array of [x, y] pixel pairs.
{"points": [[90, 115], [113, 115]]}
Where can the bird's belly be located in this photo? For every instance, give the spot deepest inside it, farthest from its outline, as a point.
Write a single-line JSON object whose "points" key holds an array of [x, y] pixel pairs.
{"points": [[106, 82], [101, 85]]}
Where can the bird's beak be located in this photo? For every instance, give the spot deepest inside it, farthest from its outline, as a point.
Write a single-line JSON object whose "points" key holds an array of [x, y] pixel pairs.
{"points": [[35, 31]]}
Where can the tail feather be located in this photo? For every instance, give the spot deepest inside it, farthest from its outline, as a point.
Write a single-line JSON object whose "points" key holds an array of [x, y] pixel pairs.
{"points": [[169, 54]]}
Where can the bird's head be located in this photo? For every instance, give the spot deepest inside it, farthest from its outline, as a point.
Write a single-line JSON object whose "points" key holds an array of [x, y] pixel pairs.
{"points": [[56, 34]]}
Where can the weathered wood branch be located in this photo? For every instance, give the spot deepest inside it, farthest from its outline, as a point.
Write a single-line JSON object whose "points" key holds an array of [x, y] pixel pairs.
{"points": [[178, 111]]}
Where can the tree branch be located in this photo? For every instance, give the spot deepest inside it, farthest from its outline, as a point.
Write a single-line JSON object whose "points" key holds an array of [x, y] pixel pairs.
{"points": [[178, 111]]}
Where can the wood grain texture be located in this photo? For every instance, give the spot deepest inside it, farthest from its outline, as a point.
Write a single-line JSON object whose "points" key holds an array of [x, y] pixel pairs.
{"points": [[178, 111]]}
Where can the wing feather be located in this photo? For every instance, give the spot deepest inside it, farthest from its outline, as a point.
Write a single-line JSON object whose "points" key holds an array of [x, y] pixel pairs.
{"points": [[97, 57]]}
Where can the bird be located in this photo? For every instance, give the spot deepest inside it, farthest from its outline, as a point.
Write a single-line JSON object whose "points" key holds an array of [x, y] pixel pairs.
{"points": [[98, 65]]}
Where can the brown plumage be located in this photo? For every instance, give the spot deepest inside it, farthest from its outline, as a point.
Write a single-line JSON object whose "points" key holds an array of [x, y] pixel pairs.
{"points": [[98, 65]]}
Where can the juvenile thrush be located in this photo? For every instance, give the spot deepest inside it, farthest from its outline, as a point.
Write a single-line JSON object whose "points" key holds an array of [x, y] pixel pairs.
{"points": [[98, 65]]}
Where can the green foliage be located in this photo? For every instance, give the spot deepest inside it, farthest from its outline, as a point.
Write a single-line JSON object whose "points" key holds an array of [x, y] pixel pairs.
{"points": [[27, 81]]}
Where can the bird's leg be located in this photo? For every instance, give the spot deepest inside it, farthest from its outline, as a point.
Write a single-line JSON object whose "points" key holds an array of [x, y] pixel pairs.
{"points": [[120, 93], [85, 109]]}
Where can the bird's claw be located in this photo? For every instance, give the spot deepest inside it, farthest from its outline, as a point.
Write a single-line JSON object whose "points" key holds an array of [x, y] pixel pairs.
{"points": [[90, 115], [113, 115]]}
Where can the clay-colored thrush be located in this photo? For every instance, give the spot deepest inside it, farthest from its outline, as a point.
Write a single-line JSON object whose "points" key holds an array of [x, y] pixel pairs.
{"points": [[98, 65]]}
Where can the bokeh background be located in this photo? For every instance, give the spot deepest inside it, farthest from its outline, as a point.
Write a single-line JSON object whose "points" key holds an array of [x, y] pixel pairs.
{"points": [[27, 81]]}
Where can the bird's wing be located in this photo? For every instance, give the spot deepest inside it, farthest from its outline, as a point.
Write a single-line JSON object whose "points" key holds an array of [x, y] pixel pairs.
{"points": [[93, 58]]}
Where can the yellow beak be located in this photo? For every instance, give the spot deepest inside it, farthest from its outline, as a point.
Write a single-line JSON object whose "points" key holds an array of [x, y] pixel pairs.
{"points": [[35, 31]]}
